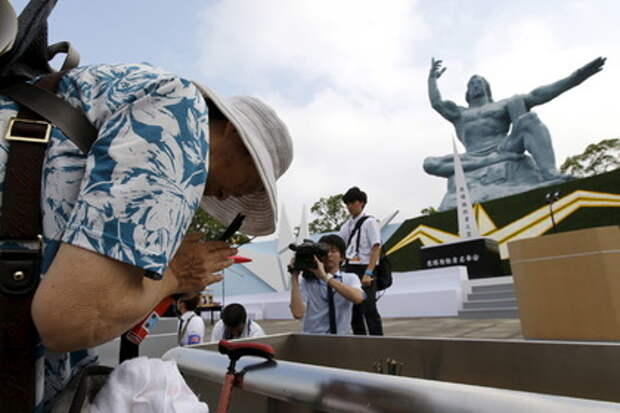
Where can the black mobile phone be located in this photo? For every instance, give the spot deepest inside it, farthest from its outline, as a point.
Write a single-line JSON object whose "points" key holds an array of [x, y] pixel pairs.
{"points": [[232, 228]]}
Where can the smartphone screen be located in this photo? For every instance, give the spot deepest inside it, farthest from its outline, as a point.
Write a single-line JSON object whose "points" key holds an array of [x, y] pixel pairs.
{"points": [[232, 228]]}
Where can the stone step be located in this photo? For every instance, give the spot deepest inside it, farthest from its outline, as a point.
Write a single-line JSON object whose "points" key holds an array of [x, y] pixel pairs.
{"points": [[490, 313], [492, 288], [491, 296], [501, 303]]}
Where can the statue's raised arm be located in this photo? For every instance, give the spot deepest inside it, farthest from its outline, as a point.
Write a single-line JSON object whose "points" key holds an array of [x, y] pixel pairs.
{"points": [[508, 148], [546, 93], [446, 108]]}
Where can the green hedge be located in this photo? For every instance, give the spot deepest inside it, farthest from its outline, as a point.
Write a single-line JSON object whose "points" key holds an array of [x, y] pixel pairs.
{"points": [[503, 211]]}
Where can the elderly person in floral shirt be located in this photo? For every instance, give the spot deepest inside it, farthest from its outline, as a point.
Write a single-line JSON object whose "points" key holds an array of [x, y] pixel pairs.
{"points": [[115, 219]]}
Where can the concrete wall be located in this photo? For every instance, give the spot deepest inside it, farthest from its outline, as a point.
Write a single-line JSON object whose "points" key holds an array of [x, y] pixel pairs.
{"points": [[425, 293]]}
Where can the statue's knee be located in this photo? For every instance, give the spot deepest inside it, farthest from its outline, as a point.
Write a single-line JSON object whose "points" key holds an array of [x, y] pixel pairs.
{"points": [[529, 120], [430, 165], [531, 129]]}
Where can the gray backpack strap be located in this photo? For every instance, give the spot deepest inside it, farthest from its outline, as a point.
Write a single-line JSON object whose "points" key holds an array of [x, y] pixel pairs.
{"points": [[72, 58], [28, 57], [8, 26]]}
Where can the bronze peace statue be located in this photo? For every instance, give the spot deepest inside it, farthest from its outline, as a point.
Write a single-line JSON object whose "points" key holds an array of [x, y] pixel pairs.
{"points": [[508, 148]]}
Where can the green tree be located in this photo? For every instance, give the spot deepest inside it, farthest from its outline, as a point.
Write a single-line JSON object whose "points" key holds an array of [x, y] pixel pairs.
{"points": [[331, 213], [428, 211], [211, 228], [596, 159]]}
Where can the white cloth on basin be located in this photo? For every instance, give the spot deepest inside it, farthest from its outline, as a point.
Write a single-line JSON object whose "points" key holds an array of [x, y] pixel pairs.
{"points": [[144, 385]]}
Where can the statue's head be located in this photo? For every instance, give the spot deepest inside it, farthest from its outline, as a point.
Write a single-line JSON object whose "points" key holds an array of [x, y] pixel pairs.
{"points": [[478, 86]]}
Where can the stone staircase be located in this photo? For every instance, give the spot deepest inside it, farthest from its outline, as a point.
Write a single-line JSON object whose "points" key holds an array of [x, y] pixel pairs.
{"points": [[491, 298]]}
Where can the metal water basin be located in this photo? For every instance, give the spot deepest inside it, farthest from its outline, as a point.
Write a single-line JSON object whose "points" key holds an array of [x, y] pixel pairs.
{"points": [[339, 373]]}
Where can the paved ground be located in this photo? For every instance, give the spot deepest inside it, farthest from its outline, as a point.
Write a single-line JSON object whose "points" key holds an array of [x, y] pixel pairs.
{"points": [[421, 327]]}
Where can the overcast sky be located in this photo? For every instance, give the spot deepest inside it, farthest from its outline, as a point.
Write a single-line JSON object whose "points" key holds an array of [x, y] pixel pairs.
{"points": [[349, 76]]}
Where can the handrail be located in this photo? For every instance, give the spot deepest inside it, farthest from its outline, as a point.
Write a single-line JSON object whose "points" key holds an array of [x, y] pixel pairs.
{"points": [[338, 390]]}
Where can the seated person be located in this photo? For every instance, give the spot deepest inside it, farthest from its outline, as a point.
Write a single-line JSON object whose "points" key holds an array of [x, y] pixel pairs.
{"points": [[191, 329], [310, 296], [235, 324]]}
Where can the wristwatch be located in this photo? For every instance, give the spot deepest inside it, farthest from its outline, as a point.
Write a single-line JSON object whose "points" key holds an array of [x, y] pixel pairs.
{"points": [[328, 277]]}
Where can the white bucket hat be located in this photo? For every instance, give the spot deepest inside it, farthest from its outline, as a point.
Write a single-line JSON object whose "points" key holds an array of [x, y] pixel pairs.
{"points": [[267, 140]]}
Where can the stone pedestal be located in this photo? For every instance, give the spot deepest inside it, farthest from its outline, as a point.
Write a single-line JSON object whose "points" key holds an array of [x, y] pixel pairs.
{"points": [[497, 181]]}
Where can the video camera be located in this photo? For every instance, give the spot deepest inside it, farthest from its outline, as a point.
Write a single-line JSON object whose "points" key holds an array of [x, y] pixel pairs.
{"points": [[305, 253]]}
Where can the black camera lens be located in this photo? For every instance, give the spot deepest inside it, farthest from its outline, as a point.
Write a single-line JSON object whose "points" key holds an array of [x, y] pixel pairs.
{"points": [[305, 253]]}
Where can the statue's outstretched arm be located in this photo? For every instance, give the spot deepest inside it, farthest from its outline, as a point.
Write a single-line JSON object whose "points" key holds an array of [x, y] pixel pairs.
{"points": [[544, 94], [446, 108]]}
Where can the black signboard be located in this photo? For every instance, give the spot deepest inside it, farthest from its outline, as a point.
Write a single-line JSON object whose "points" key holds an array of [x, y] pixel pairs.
{"points": [[479, 255]]}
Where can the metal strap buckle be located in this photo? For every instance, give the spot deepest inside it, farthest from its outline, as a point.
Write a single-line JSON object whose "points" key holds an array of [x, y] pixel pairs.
{"points": [[20, 270], [28, 130]]}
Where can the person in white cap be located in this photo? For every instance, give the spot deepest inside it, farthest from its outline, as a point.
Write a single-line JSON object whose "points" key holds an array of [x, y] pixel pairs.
{"points": [[115, 219]]}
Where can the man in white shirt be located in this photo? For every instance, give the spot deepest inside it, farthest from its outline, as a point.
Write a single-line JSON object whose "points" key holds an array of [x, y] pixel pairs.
{"points": [[191, 328], [363, 238], [235, 324], [311, 295]]}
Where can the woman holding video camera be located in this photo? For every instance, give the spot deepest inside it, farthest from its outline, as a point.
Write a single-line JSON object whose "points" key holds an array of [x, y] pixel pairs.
{"points": [[324, 295]]}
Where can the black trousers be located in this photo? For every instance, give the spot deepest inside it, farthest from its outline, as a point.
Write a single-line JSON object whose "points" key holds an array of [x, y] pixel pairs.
{"points": [[365, 314]]}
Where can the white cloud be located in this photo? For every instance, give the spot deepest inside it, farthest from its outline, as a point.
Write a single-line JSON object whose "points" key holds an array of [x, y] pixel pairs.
{"points": [[349, 78], [528, 52], [350, 45]]}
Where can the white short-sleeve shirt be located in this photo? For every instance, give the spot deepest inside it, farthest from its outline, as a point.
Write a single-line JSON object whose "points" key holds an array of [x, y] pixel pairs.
{"points": [[369, 235], [316, 316], [194, 332], [252, 329]]}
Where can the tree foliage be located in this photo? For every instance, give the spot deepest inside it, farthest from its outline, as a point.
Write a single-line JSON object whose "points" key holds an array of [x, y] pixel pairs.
{"points": [[596, 159], [211, 228], [331, 213], [429, 210]]}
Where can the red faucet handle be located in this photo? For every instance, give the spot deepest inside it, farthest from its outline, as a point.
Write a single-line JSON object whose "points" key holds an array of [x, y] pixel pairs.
{"points": [[237, 350]]}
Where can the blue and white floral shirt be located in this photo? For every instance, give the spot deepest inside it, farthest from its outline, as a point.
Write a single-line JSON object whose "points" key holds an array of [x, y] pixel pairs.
{"points": [[132, 197]]}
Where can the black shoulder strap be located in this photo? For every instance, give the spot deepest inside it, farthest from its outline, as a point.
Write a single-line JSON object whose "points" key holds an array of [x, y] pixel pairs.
{"points": [[21, 210], [357, 228], [42, 100], [21, 219], [29, 133], [333, 328]]}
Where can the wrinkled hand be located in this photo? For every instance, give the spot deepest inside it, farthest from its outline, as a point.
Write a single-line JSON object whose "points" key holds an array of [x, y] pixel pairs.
{"points": [[436, 69], [196, 263], [590, 69], [366, 280]]}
